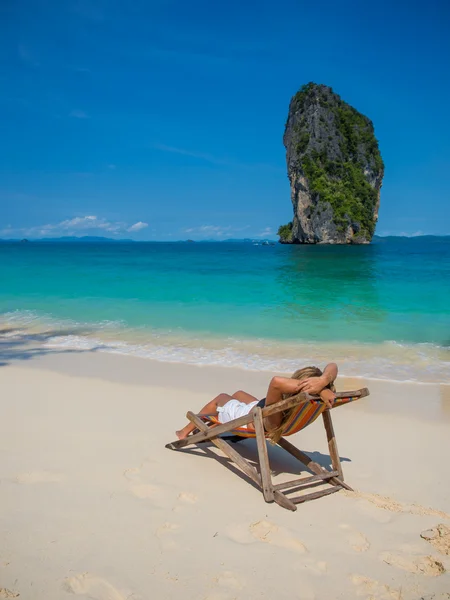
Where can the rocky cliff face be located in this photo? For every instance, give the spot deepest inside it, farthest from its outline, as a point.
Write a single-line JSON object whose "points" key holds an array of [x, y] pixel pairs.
{"points": [[335, 170]]}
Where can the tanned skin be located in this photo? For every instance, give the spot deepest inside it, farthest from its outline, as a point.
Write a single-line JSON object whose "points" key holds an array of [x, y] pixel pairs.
{"points": [[316, 386]]}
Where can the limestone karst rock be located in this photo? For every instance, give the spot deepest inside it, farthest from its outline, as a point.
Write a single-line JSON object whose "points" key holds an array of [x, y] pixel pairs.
{"points": [[335, 170]]}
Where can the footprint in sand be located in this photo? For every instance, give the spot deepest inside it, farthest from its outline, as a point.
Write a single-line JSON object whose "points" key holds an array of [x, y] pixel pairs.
{"points": [[139, 488], [355, 538], [38, 477], [147, 465], [146, 491], [387, 503], [132, 473], [439, 537], [5, 593], [438, 596], [91, 586], [164, 535], [187, 498], [142, 489], [423, 565], [374, 590], [184, 500], [268, 533]]}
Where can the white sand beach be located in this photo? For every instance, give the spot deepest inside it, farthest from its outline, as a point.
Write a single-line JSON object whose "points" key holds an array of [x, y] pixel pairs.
{"points": [[93, 505]]}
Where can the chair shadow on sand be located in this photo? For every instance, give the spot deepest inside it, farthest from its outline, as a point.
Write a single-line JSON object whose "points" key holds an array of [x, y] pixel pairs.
{"points": [[280, 461]]}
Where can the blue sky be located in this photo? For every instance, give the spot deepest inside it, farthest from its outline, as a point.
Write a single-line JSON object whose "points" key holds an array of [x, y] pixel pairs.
{"points": [[164, 120]]}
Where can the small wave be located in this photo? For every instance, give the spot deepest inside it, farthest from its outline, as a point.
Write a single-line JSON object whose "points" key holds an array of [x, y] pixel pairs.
{"points": [[392, 361], [374, 367]]}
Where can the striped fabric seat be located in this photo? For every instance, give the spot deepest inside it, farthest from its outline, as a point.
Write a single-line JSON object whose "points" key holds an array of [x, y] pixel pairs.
{"points": [[300, 418]]}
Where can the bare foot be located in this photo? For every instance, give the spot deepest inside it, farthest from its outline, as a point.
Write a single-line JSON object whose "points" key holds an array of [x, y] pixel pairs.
{"points": [[181, 434]]}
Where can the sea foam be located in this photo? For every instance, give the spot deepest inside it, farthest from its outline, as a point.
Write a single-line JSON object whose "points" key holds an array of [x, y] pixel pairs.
{"points": [[425, 363]]}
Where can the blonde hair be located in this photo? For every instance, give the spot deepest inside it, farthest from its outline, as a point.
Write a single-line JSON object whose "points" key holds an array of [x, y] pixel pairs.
{"points": [[275, 435]]}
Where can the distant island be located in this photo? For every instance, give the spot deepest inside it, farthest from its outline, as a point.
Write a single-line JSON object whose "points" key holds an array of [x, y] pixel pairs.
{"points": [[257, 242], [335, 170], [92, 239]]}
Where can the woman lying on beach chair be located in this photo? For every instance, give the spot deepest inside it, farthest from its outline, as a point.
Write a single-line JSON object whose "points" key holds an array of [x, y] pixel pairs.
{"points": [[309, 379]]}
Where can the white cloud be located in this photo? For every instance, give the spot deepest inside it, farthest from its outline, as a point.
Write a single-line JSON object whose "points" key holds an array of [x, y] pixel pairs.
{"points": [[209, 231], [216, 160], [78, 114], [74, 226], [266, 232], [138, 226], [214, 232], [401, 234], [416, 234], [77, 222], [193, 153]]}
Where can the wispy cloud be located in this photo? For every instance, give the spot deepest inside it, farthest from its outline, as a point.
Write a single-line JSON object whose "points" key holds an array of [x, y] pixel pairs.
{"points": [[209, 231], [214, 231], [82, 224], [214, 160], [74, 226], [414, 234], [201, 155], [401, 233], [137, 226], [78, 114], [266, 232]]}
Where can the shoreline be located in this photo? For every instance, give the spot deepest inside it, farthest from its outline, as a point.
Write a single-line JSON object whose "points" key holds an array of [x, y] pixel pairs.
{"points": [[387, 361], [95, 505], [393, 396]]}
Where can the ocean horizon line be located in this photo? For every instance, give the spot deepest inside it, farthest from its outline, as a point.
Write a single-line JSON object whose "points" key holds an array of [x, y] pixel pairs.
{"points": [[103, 239]]}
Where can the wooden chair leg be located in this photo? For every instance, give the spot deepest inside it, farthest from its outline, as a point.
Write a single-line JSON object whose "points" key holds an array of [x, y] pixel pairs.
{"points": [[332, 444], [264, 466], [308, 462], [250, 471]]}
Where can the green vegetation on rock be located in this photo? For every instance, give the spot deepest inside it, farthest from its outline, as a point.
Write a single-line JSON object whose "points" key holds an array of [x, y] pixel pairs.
{"points": [[285, 233], [303, 142], [344, 186]]}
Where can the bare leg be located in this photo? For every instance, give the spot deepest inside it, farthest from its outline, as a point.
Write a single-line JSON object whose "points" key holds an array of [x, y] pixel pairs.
{"points": [[244, 397], [211, 409], [208, 409]]}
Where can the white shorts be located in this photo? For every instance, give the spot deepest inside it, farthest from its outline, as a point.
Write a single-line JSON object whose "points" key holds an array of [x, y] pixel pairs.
{"points": [[234, 409]]}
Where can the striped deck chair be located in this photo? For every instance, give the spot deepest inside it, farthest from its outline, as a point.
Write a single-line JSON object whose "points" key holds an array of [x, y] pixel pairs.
{"points": [[307, 410]]}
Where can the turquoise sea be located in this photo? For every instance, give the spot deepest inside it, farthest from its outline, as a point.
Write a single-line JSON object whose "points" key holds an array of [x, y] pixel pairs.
{"points": [[381, 310]]}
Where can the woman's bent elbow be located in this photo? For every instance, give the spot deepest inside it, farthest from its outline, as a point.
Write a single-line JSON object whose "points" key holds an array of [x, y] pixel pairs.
{"points": [[275, 382]]}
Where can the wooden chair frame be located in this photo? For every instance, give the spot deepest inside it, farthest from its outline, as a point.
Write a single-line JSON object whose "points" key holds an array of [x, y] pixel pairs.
{"points": [[263, 478]]}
